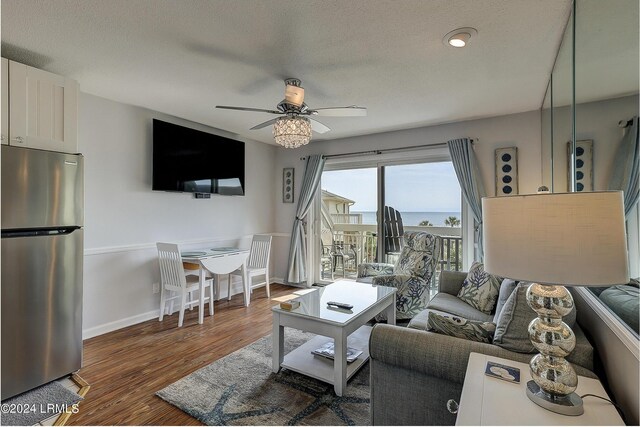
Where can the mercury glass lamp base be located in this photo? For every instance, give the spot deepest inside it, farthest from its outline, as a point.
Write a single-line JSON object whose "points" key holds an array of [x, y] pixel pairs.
{"points": [[570, 404]]}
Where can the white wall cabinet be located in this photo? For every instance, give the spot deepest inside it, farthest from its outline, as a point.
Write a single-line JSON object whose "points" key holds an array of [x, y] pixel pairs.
{"points": [[4, 127], [43, 109]]}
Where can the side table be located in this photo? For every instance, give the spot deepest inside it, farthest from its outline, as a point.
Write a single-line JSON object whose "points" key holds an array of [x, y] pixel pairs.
{"points": [[491, 401]]}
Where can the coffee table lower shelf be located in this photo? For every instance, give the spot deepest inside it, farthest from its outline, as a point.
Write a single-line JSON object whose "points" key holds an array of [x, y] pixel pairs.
{"points": [[301, 359]]}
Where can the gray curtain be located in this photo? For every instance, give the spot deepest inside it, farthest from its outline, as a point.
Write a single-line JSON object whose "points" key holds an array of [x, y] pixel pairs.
{"points": [[466, 167], [297, 267], [626, 167]]}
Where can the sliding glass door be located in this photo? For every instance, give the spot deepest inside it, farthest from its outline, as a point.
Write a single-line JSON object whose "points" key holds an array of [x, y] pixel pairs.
{"points": [[427, 197], [409, 196], [348, 221]]}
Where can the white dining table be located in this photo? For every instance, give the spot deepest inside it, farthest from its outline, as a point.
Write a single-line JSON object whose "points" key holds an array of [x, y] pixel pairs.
{"points": [[218, 261]]}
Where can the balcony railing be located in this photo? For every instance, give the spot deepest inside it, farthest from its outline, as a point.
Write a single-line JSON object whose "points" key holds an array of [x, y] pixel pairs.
{"points": [[359, 241], [346, 218], [450, 253]]}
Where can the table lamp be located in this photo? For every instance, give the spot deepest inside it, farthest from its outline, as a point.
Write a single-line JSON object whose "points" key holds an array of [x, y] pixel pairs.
{"points": [[555, 239]]}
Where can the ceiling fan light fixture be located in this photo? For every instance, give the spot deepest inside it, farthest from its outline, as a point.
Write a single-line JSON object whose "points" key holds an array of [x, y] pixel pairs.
{"points": [[292, 132], [460, 37]]}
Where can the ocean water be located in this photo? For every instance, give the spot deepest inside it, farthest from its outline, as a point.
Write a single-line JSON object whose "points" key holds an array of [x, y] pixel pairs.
{"points": [[414, 218]]}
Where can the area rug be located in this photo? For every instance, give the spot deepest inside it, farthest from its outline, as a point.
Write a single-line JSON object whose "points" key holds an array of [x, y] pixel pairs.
{"points": [[38, 404], [241, 389]]}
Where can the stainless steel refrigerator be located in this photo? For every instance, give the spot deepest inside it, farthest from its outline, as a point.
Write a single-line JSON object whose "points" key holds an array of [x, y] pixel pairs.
{"points": [[42, 254]]}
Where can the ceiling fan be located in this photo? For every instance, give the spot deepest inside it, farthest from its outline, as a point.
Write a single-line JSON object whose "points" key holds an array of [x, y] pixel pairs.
{"points": [[293, 128]]}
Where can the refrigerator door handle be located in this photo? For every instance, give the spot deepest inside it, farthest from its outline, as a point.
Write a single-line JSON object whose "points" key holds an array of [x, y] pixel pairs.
{"points": [[59, 231]]}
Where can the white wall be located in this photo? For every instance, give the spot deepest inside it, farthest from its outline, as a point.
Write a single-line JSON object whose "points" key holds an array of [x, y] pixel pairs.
{"points": [[124, 218], [516, 130]]}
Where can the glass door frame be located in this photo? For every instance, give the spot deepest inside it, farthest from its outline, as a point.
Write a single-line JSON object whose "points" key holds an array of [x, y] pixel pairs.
{"points": [[428, 155]]}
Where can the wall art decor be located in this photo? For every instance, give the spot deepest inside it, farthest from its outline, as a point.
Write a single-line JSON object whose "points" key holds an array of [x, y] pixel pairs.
{"points": [[506, 171], [287, 185], [584, 165]]}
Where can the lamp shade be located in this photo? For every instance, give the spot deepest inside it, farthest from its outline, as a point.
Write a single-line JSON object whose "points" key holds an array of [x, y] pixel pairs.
{"points": [[557, 238]]}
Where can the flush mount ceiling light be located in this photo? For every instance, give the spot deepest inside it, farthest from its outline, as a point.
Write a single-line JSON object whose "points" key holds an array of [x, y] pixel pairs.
{"points": [[292, 132], [459, 37]]}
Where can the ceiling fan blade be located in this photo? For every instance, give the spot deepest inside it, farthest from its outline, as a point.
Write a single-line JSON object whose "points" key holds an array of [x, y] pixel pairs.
{"points": [[264, 124], [351, 111], [319, 127], [259, 110]]}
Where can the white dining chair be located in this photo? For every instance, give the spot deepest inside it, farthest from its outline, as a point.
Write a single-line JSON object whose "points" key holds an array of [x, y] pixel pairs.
{"points": [[194, 269], [257, 264], [173, 279]]}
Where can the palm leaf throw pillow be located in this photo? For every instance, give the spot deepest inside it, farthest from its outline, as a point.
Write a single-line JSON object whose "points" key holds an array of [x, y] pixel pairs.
{"points": [[480, 289]]}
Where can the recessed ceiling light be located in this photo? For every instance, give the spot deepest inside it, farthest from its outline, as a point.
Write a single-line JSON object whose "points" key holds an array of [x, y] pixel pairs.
{"points": [[459, 37]]}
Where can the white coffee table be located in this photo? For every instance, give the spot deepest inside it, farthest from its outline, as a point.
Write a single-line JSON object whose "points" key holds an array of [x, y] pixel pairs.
{"points": [[347, 328]]}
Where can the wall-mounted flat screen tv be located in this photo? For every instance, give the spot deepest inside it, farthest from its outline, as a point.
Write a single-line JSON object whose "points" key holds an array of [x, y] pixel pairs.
{"points": [[192, 161]]}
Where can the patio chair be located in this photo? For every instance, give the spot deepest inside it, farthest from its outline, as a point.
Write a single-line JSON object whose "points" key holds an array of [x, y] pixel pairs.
{"points": [[344, 255], [411, 274], [326, 261], [393, 232], [336, 253]]}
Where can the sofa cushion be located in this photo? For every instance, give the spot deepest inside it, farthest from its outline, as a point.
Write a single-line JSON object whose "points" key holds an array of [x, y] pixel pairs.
{"points": [[460, 327], [506, 288], [480, 289], [450, 282], [512, 325], [623, 300], [420, 320], [448, 303]]}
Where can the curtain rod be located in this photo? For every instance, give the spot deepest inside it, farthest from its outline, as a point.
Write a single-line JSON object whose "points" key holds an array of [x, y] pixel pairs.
{"points": [[385, 150]]}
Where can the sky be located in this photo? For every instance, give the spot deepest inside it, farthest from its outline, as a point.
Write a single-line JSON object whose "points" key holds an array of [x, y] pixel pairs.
{"points": [[423, 187]]}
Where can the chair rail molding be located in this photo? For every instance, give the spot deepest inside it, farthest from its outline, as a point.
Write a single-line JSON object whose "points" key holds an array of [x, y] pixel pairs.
{"points": [[152, 245]]}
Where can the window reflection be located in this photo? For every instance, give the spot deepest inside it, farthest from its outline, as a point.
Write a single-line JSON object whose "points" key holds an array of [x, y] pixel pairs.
{"points": [[623, 301]]}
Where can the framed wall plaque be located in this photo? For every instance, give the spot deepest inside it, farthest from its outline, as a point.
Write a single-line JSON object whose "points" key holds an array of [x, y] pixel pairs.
{"points": [[287, 184], [506, 171], [584, 165]]}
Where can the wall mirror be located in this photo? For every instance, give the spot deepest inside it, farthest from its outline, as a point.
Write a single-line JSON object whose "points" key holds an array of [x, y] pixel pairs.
{"points": [[592, 95], [558, 102]]}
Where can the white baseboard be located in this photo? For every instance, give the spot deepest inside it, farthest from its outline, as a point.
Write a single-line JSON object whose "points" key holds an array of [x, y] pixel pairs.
{"points": [[236, 288], [119, 324]]}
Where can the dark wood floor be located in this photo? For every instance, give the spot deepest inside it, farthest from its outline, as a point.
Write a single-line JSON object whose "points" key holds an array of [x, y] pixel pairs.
{"points": [[126, 367]]}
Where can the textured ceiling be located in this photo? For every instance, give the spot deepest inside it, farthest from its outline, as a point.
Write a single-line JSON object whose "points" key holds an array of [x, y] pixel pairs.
{"points": [[183, 57], [607, 53]]}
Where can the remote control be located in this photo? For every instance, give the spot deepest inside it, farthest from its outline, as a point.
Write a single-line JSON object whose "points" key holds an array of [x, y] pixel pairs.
{"points": [[340, 305]]}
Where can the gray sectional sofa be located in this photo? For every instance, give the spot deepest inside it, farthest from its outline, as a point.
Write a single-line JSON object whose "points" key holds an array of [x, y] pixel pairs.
{"points": [[415, 372]]}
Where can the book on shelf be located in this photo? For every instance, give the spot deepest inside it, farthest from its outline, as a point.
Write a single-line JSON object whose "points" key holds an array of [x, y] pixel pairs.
{"points": [[326, 350]]}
